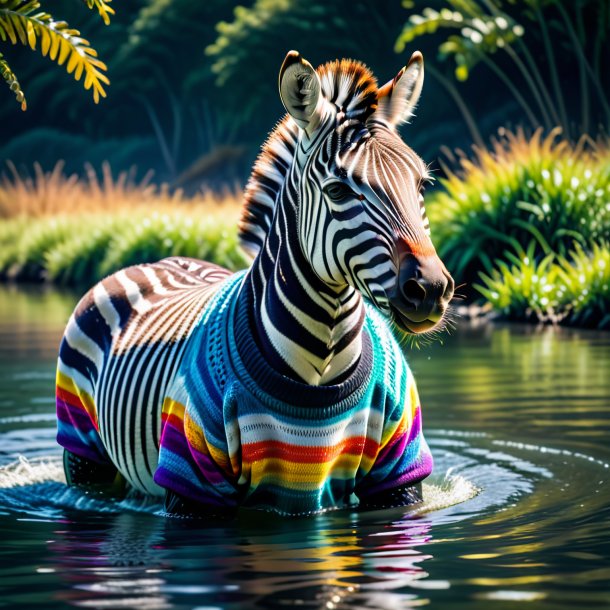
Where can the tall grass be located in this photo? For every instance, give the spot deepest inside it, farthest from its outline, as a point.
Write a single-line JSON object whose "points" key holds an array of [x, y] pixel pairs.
{"points": [[574, 290], [74, 232], [523, 188], [531, 218], [48, 193]]}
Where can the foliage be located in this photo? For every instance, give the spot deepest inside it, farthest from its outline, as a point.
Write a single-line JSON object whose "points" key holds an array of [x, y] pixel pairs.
{"points": [[523, 188], [480, 33], [103, 8], [586, 276], [573, 289], [13, 84], [75, 231], [260, 35], [481, 30], [53, 193], [21, 21], [523, 288], [531, 219], [79, 249], [183, 26]]}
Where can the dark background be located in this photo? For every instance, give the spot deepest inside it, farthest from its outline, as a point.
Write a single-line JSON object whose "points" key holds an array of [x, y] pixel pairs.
{"points": [[194, 83]]}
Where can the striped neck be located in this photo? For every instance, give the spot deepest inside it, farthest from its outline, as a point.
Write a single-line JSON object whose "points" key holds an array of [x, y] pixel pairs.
{"points": [[305, 329]]}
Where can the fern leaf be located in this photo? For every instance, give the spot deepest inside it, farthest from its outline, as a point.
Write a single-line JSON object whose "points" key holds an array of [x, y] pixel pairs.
{"points": [[103, 8], [11, 80], [20, 22]]}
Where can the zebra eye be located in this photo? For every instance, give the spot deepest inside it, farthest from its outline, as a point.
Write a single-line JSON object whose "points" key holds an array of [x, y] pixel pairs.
{"points": [[337, 191]]}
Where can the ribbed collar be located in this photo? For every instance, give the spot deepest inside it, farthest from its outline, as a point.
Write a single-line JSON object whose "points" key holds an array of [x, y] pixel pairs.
{"points": [[258, 376]]}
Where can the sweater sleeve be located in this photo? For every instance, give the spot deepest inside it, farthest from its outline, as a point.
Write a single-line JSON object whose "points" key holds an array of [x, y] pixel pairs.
{"points": [[193, 462], [404, 458]]}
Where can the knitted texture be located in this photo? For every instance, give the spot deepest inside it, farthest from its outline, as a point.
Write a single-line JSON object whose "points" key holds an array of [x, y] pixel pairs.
{"points": [[235, 432], [77, 424]]}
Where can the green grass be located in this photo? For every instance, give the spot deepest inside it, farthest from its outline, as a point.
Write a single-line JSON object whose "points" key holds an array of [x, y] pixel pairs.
{"points": [[81, 248], [522, 189], [527, 224], [75, 231], [574, 290]]}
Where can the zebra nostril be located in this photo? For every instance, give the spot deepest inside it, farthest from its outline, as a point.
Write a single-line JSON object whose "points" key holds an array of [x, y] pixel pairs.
{"points": [[448, 291], [414, 293]]}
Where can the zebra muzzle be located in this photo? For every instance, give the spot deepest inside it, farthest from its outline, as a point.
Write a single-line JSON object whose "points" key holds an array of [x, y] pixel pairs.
{"points": [[423, 290]]}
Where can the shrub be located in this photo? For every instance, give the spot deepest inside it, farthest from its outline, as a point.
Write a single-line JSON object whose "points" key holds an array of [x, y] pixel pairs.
{"points": [[523, 188], [75, 232], [522, 288], [34, 242], [151, 237], [78, 259], [574, 289], [54, 193], [83, 248], [586, 277]]}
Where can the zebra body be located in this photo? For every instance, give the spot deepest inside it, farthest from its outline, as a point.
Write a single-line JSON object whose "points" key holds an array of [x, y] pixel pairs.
{"points": [[120, 353], [333, 213]]}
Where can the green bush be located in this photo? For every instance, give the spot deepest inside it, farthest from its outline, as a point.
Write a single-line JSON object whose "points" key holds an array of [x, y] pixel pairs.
{"points": [[530, 220], [36, 239], [10, 235], [586, 277], [78, 259], [522, 188], [82, 248], [574, 290]]}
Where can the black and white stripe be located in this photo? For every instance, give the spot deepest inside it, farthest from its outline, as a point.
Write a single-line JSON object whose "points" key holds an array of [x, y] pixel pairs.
{"points": [[318, 255], [123, 345], [326, 214]]}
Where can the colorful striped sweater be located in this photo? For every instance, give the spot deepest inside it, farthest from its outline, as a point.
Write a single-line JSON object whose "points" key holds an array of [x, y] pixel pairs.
{"points": [[235, 432]]}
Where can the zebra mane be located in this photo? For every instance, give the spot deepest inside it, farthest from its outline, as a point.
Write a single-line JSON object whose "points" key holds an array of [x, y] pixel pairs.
{"points": [[353, 89]]}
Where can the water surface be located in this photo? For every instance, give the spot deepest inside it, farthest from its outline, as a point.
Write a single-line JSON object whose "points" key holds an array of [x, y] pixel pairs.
{"points": [[517, 510]]}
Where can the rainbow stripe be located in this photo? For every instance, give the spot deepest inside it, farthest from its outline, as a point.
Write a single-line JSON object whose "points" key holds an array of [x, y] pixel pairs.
{"points": [[77, 424], [229, 438]]}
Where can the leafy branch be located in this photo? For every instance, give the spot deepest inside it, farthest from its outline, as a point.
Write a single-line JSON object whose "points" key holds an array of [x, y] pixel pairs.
{"points": [[12, 82], [21, 22], [477, 30], [103, 8]]}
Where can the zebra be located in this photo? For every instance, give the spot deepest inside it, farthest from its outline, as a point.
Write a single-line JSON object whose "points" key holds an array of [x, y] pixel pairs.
{"points": [[282, 387]]}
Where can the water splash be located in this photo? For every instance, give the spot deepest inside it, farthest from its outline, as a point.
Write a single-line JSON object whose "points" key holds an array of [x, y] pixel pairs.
{"points": [[454, 489], [31, 471], [39, 484]]}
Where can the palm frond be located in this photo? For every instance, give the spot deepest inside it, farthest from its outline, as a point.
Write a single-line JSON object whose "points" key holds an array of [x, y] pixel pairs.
{"points": [[11, 80], [22, 22]]}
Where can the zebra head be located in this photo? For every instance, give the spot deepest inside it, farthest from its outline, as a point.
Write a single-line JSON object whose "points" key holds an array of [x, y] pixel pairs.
{"points": [[357, 188]]}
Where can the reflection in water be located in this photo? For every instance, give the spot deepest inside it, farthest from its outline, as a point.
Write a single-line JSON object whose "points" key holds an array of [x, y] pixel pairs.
{"points": [[517, 510], [140, 561]]}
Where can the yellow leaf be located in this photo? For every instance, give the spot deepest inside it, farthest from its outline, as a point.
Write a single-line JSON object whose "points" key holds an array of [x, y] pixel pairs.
{"points": [[79, 70], [31, 36], [19, 29], [45, 42], [64, 51], [55, 44], [10, 30], [73, 63]]}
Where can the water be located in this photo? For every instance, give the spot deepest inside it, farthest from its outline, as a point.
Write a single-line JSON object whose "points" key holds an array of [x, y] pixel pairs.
{"points": [[517, 510]]}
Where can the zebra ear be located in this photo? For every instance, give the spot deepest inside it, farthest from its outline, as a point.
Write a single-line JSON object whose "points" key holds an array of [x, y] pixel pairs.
{"points": [[300, 91], [397, 98]]}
